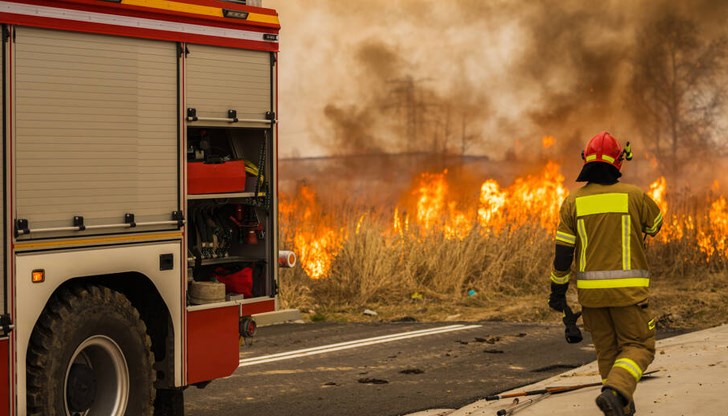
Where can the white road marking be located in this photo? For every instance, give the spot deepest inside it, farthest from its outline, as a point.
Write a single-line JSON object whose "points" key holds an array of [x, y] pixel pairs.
{"points": [[352, 344]]}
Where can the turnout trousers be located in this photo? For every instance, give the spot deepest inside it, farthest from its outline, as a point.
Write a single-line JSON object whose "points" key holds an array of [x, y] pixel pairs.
{"points": [[624, 339]]}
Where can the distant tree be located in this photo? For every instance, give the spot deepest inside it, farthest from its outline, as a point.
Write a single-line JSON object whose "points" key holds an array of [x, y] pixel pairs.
{"points": [[678, 91]]}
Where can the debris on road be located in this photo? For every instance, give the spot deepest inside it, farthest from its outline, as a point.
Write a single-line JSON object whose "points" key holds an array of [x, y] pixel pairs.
{"points": [[370, 380], [490, 340], [412, 371]]}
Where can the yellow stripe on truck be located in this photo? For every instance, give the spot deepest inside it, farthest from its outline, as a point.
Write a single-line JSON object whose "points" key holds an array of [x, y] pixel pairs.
{"points": [[125, 238], [263, 18], [198, 9], [176, 7]]}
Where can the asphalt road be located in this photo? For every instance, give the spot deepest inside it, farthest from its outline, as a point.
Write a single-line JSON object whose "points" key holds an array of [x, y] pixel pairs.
{"points": [[436, 370]]}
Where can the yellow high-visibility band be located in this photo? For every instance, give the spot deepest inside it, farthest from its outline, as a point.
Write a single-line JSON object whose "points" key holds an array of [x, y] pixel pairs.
{"points": [[582, 250], [630, 366], [602, 204], [608, 158], [568, 243], [590, 158], [613, 283], [560, 280], [651, 325], [565, 238], [626, 236], [655, 224]]}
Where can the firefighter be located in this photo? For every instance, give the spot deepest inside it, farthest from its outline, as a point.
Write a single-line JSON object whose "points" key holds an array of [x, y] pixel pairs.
{"points": [[602, 230]]}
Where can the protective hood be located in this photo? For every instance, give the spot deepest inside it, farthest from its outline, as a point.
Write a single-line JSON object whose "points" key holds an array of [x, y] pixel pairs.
{"points": [[601, 173]]}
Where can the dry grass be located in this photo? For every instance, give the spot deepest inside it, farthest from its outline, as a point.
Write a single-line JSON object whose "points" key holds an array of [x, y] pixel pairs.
{"points": [[418, 274]]}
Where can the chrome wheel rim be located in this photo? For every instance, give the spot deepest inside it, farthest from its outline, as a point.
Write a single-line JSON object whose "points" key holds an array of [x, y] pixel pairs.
{"points": [[106, 362]]}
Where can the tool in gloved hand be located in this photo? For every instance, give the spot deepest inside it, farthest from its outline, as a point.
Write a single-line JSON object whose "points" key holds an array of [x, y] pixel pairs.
{"points": [[572, 332], [557, 302]]}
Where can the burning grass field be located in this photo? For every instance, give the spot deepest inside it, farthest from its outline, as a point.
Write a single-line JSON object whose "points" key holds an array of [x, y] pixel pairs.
{"points": [[449, 254]]}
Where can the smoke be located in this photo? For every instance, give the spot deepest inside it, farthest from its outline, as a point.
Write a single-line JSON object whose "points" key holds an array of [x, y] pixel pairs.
{"points": [[462, 76]]}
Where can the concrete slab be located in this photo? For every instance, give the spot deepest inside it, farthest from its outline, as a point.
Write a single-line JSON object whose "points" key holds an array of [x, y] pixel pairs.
{"points": [[278, 317], [434, 412], [692, 379]]}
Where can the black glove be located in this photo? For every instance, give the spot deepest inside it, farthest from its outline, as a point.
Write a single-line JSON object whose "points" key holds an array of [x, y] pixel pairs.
{"points": [[557, 299], [572, 332]]}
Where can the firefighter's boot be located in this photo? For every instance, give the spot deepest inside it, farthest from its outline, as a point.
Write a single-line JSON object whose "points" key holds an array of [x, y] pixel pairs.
{"points": [[611, 403], [630, 410]]}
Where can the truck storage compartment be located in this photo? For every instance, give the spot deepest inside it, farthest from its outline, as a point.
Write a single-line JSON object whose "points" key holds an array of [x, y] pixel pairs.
{"points": [[225, 160], [241, 280], [229, 211]]}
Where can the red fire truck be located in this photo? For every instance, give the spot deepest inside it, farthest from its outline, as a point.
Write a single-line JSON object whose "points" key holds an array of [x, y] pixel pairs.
{"points": [[139, 199]]}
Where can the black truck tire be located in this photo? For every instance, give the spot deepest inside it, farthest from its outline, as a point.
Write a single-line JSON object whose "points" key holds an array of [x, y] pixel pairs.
{"points": [[90, 355]]}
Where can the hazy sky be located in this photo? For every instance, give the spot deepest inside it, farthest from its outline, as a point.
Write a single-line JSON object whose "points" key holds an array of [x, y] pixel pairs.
{"points": [[366, 76]]}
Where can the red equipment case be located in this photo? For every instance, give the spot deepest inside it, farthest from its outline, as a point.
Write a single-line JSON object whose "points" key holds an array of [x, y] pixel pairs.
{"points": [[215, 178]]}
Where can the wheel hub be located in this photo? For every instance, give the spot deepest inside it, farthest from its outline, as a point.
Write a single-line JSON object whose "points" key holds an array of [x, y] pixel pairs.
{"points": [[97, 379], [81, 389]]}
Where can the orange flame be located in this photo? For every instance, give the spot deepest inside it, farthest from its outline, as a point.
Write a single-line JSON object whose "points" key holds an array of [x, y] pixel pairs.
{"points": [[532, 200], [317, 251], [527, 199], [316, 241], [710, 231], [538, 198], [657, 192], [458, 224], [548, 141], [714, 239], [431, 192], [492, 200]]}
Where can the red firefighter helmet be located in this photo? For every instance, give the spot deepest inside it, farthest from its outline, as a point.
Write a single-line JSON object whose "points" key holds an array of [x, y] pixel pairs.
{"points": [[603, 148]]}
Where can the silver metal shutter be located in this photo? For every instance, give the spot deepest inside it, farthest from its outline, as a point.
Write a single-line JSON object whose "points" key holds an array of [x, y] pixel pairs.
{"points": [[95, 129], [222, 79]]}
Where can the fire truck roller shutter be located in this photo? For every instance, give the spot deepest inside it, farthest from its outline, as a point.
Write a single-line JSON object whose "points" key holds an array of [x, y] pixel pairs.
{"points": [[222, 79], [90, 354], [96, 130]]}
